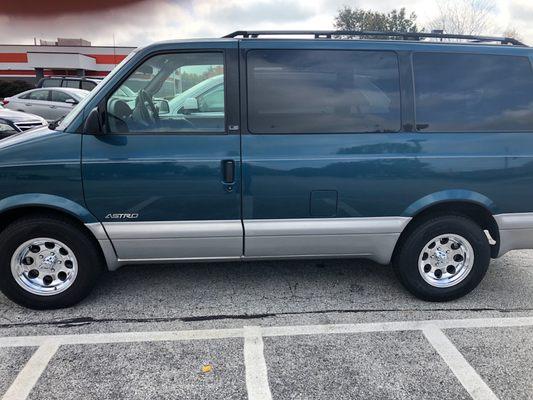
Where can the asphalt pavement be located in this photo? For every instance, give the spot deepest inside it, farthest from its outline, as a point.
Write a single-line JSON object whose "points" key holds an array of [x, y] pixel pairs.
{"points": [[335, 329]]}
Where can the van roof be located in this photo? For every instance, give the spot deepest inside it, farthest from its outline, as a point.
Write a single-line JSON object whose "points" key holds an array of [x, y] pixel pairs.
{"points": [[344, 34], [409, 41]]}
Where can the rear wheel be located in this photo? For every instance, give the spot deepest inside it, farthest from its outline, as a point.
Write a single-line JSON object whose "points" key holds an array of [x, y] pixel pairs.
{"points": [[443, 258], [47, 262]]}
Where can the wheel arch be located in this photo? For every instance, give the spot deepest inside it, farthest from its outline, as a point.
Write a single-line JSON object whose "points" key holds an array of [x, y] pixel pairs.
{"points": [[19, 206], [468, 204], [14, 204]]}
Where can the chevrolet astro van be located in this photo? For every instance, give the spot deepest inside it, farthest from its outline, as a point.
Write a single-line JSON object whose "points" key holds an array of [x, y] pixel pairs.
{"points": [[261, 145]]}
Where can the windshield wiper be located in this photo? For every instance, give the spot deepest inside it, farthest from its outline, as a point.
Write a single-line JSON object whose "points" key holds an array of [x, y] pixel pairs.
{"points": [[55, 124]]}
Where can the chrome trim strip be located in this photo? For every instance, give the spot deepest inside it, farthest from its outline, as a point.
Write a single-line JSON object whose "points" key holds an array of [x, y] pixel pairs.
{"points": [[324, 226], [516, 231], [173, 229], [124, 261]]}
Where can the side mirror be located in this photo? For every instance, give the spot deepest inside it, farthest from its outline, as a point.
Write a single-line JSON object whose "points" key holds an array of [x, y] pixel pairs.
{"points": [[190, 105], [164, 107], [71, 101], [93, 125]]}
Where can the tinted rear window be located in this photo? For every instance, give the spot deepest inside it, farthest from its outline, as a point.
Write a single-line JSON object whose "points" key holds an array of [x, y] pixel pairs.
{"points": [[88, 85], [323, 91], [51, 83], [71, 83], [471, 93]]}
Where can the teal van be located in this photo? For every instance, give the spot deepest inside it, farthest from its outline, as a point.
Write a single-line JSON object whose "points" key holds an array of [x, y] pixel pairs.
{"points": [[269, 145]]}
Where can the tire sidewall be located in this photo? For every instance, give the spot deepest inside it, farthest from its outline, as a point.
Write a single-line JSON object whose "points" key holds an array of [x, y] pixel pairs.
{"points": [[407, 263], [82, 247]]}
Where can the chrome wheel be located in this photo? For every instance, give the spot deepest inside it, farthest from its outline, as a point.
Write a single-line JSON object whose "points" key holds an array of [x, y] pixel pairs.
{"points": [[44, 266], [446, 260]]}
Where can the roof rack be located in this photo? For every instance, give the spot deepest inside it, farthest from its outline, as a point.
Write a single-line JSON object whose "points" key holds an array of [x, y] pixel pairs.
{"points": [[402, 35]]}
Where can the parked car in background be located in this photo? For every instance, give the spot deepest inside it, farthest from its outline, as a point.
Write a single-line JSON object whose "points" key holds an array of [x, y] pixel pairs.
{"points": [[74, 82], [12, 122], [50, 104]]}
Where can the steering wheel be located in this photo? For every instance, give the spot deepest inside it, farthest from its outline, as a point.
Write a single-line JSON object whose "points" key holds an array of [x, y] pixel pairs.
{"points": [[145, 111]]}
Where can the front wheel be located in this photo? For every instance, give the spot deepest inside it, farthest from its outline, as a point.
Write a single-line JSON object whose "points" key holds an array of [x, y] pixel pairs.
{"points": [[443, 258], [47, 263]]}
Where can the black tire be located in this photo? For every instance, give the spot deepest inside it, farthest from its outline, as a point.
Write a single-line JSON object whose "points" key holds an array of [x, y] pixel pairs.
{"points": [[89, 260], [407, 257]]}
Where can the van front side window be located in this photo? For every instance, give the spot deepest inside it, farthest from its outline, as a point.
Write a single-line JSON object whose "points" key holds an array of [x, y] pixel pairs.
{"points": [[171, 93]]}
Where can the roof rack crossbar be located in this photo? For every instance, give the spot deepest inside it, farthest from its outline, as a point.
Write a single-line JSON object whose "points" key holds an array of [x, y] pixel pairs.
{"points": [[404, 35]]}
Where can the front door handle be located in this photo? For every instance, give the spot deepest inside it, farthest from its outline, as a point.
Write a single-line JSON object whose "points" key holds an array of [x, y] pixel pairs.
{"points": [[228, 174], [228, 171]]}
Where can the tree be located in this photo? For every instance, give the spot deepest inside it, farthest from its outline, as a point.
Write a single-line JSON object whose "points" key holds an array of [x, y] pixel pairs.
{"points": [[464, 17], [354, 19], [512, 33], [11, 88]]}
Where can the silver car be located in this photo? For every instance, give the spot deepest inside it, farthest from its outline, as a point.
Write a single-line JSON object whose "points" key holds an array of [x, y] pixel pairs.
{"points": [[51, 104], [12, 122]]}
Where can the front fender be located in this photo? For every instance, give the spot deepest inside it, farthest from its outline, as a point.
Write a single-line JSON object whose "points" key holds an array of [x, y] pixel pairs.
{"points": [[47, 201], [453, 195]]}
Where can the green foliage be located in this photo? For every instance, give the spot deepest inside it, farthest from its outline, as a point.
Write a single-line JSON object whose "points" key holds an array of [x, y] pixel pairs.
{"points": [[354, 19], [11, 88]]}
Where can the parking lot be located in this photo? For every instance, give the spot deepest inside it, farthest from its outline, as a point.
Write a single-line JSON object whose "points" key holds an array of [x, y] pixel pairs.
{"points": [[339, 329]]}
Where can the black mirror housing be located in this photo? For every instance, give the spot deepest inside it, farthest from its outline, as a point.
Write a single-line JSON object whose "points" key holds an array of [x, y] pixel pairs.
{"points": [[93, 123]]}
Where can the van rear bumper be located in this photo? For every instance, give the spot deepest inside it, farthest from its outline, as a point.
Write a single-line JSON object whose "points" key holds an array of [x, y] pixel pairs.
{"points": [[516, 231]]}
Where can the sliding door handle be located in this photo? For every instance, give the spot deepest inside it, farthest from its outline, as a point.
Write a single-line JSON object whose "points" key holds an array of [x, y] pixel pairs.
{"points": [[228, 172]]}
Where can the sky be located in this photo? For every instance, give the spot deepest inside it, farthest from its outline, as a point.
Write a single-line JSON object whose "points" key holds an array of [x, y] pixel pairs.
{"points": [[139, 22]]}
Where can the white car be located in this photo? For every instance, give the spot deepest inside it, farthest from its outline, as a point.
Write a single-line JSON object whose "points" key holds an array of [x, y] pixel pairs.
{"points": [[51, 104], [12, 122]]}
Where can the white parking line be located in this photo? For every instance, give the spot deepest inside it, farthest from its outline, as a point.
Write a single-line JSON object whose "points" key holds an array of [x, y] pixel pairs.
{"points": [[30, 374], [469, 378], [255, 364], [208, 334]]}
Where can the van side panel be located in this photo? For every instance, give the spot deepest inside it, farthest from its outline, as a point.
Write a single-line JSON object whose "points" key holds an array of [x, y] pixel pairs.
{"points": [[295, 170], [385, 174]]}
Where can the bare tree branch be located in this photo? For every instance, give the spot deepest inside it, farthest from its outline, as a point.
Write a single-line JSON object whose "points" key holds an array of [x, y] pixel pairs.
{"points": [[466, 17]]}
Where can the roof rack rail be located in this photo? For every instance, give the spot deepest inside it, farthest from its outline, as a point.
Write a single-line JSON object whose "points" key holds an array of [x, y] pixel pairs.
{"points": [[403, 35]]}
